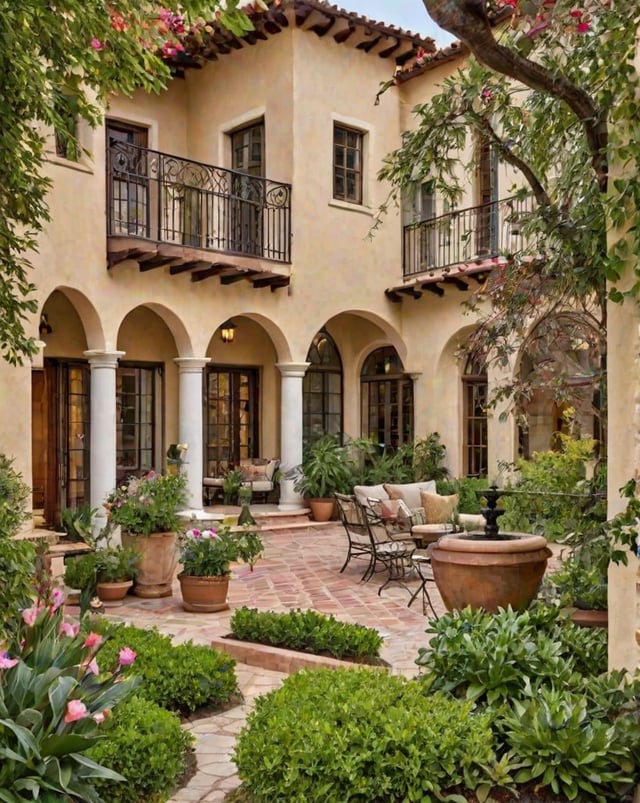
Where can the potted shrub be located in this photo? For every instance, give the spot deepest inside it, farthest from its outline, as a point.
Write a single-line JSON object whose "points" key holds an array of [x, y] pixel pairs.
{"points": [[146, 509], [206, 557], [231, 485], [80, 577], [115, 571], [325, 470]]}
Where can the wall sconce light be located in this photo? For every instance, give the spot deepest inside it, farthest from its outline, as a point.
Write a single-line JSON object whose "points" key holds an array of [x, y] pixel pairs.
{"points": [[228, 331], [44, 327]]}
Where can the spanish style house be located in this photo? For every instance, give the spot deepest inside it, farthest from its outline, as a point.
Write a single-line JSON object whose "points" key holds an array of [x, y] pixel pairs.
{"points": [[211, 274]]}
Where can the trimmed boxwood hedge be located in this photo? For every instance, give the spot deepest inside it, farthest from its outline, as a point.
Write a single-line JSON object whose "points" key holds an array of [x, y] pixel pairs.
{"points": [[307, 631]]}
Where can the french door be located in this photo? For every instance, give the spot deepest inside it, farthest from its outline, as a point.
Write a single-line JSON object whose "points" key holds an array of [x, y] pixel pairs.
{"points": [[247, 190], [231, 418], [61, 436]]}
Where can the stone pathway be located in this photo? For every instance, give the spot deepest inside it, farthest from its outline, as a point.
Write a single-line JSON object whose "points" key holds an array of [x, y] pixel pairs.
{"points": [[300, 569]]}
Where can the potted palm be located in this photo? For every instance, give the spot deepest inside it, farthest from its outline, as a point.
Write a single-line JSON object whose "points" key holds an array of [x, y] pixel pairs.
{"points": [[146, 510], [325, 471], [206, 557]]}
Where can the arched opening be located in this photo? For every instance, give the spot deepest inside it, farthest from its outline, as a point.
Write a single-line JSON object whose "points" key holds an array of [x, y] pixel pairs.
{"points": [[322, 390], [386, 399]]}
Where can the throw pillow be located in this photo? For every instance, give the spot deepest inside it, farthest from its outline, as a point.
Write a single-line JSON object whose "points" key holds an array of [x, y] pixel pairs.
{"points": [[409, 492], [417, 515], [364, 492], [438, 509]]}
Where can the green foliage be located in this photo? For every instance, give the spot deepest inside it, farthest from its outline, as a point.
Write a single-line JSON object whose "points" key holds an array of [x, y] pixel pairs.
{"points": [[490, 658], [209, 553], [80, 572], [550, 493], [179, 677], [307, 631], [411, 462], [428, 458], [148, 505], [466, 488], [555, 743], [147, 746], [326, 469], [116, 564], [231, 485], [360, 735], [17, 566], [77, 523], [51, 74], [14, 496], [51, 703]]}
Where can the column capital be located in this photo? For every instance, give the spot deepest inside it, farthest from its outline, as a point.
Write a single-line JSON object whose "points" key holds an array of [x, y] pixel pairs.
{"points": [[103, 359], [191, 365], [295, 369]]}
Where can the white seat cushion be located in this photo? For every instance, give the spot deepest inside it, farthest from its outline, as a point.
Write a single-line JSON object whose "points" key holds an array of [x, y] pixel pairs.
{"points": [[410, 492], [364, 492]]}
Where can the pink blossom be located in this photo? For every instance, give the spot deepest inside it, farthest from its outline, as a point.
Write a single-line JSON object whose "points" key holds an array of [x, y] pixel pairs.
{"points": [[93, 640], [57, 598], [92, 666], [68, 629], [96, 44], [583, 27], [75, 710], [576, 13], [126, 656], [99, 717], [29, 615], [6, 662]]}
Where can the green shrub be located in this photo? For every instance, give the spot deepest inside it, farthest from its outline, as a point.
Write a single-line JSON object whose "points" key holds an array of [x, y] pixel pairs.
{"points": [[491, 658], [146, 745], [179, 677], [466, 488], [14, 498], [80, 572], [17, 565], [307, 631], [555, 744], [335, 736]]}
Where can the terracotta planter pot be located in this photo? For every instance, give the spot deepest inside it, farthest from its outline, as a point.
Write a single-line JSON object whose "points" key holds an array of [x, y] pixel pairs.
{"points": [[204, 594], [489, 574], [322, 509], [112, 594], [590, 618], [158, 560]]}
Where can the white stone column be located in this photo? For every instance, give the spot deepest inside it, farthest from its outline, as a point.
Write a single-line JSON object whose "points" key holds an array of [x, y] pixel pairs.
{"points": [[190, 424], [291, 374], [102, 462]]}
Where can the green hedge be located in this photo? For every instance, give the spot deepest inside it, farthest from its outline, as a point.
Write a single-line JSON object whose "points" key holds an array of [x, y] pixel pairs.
{"points": [[179, 677], [145, 744], [307, 631], [359, 735]]}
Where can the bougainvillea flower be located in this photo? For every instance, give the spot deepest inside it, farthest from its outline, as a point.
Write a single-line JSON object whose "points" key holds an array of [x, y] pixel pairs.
{"points": [[76, 710]]}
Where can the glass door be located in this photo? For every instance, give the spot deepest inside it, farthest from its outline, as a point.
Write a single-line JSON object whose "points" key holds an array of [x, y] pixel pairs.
{"points": [[231, 418]]}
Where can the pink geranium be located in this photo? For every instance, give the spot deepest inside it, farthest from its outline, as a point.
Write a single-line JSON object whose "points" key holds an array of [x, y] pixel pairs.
{"points": [[75, 710]]}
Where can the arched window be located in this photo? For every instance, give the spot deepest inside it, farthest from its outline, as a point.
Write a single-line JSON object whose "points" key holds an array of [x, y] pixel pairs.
{"points": [[387, 399], [474, 386], [322, 390]]}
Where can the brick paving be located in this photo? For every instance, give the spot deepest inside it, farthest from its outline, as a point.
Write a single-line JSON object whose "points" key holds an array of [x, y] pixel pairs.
{"points": [[300, 569]]}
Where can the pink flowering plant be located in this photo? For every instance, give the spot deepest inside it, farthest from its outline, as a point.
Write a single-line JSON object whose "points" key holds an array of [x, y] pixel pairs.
{"points": [[149, 504], [210, 552], [53, 698]]}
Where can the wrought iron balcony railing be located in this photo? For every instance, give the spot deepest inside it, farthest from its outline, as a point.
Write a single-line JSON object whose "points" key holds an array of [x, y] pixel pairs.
{"points": [[464, 235], [167, 199]]}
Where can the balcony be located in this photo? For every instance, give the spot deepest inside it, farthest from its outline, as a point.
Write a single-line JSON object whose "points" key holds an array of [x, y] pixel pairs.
{"points": [[192, 217], [463, 243]]}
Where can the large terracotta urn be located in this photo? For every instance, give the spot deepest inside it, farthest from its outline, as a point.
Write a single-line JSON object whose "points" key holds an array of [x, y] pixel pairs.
{"points": [[158, 560], [489, 573], [204, 594]]}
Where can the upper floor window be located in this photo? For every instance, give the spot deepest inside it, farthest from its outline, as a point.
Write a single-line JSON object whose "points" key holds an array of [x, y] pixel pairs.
{"points": [[247, 148], [347, 164]]}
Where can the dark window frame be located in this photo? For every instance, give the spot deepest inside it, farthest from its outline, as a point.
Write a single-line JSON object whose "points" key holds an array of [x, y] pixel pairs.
{"points": [[348, 148]]}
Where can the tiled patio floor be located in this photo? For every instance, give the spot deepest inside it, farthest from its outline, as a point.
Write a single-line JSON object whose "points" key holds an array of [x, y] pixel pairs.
{"points": [[300, 569]]}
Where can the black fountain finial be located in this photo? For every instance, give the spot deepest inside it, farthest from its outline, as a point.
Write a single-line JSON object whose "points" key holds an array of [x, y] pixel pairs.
{"points": [[491, 512]]}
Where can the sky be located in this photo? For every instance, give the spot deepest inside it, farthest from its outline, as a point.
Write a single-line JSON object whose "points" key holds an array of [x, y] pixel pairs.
{"points": [[408, 14]]}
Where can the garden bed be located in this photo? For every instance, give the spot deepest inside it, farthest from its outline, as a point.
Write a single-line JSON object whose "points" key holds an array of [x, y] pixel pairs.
{"points": [[280, 659]]}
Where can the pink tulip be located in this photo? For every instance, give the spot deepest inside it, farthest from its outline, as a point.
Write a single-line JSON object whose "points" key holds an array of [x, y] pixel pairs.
{"points": [[57, 598], [75, 710], [68, 629], [92, 666], [126, 656], [29, 615]]}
